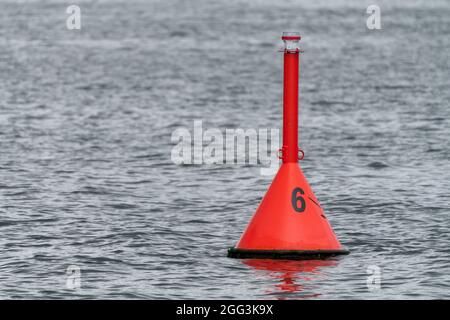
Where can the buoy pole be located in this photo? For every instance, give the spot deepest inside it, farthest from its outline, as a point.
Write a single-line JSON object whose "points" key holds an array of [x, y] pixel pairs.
{"points": [[289, 152]]}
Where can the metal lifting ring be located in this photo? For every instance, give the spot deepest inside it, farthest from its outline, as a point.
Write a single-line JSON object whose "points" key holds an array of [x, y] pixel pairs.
{"points": [[280, 153], [300, 151]]}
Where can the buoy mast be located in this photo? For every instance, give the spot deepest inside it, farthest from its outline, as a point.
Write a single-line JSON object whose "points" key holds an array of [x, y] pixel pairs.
{"points": [[289, 151]]}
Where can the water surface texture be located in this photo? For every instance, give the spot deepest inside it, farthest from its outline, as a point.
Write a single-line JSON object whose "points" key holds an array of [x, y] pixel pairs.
{"points": [[86, 118]]}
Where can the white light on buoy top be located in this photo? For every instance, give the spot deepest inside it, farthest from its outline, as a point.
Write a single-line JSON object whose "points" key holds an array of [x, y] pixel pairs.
{"points": [[291, 41]]}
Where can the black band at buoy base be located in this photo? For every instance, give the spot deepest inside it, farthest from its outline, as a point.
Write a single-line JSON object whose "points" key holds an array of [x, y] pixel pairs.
{"points": [[237, 253]]}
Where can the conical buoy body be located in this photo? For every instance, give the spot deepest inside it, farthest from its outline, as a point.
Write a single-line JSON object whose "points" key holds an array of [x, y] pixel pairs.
{"points": [[289, 223], [289, 217]]}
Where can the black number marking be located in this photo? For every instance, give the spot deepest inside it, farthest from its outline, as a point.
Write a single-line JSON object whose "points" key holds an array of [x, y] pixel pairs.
{"points": [[297, 199]]}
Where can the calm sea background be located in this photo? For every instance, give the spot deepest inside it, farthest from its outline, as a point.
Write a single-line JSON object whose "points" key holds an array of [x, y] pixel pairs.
{"points": [[86, 119]]}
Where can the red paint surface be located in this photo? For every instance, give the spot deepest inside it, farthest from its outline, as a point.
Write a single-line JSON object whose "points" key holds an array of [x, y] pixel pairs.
{"points": [[290, 107], [276, 225]]}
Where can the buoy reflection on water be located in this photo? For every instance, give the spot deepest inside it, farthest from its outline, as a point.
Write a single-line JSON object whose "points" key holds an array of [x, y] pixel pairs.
{"points": [[291, 276]]}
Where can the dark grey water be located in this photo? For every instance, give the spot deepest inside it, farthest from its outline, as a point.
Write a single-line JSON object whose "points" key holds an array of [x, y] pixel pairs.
{"points": [[86, 119]]}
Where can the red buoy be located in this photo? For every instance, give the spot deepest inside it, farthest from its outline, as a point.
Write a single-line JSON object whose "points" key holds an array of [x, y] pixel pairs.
{"points": [[289, 222]]}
